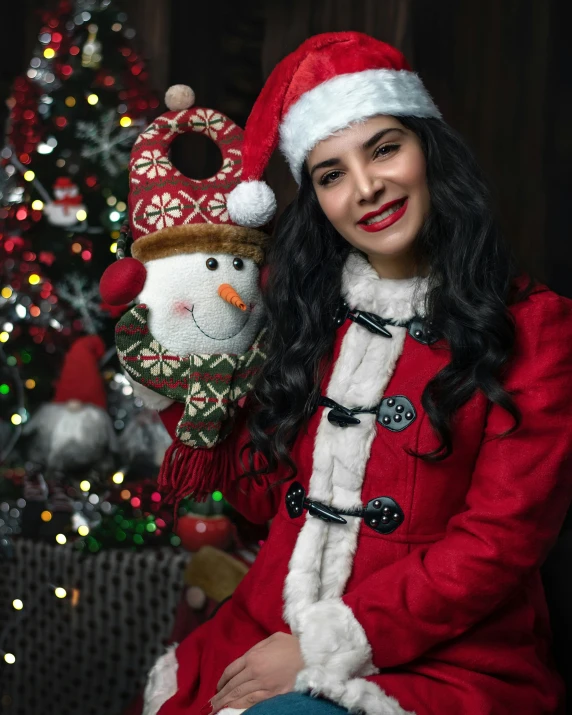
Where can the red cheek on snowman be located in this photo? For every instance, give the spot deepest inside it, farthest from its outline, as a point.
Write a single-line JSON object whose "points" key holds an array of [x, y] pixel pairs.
{"points": [[181, 308]]}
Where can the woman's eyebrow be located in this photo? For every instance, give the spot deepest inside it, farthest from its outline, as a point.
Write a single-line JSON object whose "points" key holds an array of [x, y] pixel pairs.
{"points": [[366, 145], [379, 135], [324, 165]]}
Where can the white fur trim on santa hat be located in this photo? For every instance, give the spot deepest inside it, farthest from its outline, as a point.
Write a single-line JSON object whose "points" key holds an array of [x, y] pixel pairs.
{"points": [[348, 98], [251, 204], [162, 682]]}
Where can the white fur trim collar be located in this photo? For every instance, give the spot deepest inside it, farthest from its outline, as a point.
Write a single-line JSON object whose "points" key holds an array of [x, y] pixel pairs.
{"points": [[332, 641], [161, 683], [399, 298], [346, 99]]}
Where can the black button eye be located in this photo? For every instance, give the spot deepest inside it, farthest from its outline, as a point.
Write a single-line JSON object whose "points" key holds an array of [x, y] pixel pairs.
{"points": [[238, 263], [212, 264]]}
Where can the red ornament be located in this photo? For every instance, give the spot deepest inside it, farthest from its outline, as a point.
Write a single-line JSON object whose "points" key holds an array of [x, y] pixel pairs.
{"points": [[46, 257], [196, 531]]}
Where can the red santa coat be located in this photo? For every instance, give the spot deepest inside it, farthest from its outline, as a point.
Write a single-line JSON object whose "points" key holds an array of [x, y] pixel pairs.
{"points": [[446, 614]]}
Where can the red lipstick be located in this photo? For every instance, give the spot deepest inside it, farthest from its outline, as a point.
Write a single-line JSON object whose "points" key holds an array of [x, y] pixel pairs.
{"points": [[389, 221]]}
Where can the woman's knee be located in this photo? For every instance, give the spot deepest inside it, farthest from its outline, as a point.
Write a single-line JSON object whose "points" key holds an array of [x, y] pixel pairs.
{"points": [[296, 704]]}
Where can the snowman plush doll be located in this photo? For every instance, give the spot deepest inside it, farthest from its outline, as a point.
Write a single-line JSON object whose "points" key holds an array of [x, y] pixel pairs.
{"points": [[195, 336]]}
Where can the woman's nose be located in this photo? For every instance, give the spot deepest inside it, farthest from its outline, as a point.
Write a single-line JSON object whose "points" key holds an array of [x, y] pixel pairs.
{"points": [[368, 188]]}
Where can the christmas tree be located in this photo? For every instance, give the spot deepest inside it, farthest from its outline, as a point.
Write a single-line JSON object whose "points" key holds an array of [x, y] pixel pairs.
{"points": [[74, 116], [63, 193]]}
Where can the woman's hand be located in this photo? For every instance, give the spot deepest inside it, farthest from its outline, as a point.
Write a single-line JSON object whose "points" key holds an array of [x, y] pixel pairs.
{"points": [[268, 669]]}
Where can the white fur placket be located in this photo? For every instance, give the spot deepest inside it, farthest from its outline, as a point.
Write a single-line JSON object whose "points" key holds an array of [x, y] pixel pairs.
{"points": [[333, 643]]}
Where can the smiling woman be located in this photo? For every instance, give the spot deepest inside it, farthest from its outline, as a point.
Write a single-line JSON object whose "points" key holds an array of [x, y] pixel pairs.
{"points": [[370, 181], [417, 387]]}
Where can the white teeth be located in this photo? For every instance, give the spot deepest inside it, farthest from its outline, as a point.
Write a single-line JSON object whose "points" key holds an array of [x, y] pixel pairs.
{"points": [[385, 214]]}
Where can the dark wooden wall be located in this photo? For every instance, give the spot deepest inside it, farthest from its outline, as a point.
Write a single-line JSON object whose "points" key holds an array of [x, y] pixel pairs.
{"points": [[498, 69]]}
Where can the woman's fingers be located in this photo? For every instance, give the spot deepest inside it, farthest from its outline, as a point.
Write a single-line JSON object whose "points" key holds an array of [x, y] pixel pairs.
{"points": [[247, 701], [233, 687], [231, 671], [237, 693]]}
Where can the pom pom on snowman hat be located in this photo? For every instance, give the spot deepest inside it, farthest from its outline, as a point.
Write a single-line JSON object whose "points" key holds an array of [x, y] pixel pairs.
{"points": [[179, 97], [330, 82], [185, 215]]}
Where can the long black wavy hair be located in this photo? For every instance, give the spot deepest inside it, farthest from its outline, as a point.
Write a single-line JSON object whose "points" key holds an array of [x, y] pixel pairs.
{"points": [[471, 272]]}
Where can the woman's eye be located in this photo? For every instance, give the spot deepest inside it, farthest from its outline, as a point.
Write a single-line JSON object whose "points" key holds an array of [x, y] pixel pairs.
{"points": [[212, 264], [385, 149], [329, 177], [238, 263]]}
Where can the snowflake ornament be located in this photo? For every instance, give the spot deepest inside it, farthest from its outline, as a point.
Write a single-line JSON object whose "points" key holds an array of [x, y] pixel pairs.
{"points": [[83, 295], [107, 142]]}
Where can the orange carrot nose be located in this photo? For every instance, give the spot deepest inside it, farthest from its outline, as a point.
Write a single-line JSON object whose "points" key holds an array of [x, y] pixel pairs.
{"points": [[227, 292]]}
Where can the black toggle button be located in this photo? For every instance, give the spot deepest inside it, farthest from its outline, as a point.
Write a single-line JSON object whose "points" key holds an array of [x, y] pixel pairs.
{"points": [[342, 419], [383, 514], [392, 410], [420, 331], [295, 500]]}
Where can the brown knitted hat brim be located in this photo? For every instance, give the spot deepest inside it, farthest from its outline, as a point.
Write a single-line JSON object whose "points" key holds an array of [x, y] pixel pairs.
{"points": [[201, 238]]}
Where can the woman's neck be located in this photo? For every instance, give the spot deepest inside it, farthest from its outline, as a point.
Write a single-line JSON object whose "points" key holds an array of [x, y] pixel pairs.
{"points": [[397, 269]]}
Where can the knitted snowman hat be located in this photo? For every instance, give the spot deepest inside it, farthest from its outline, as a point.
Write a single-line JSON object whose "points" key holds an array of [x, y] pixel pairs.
{"points": [[331, 81], [171, 214]]}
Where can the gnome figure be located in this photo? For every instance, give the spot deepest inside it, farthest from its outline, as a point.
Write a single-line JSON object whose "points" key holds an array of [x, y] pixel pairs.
{"points": [[74, 434], [68, 201], [195, 335]]}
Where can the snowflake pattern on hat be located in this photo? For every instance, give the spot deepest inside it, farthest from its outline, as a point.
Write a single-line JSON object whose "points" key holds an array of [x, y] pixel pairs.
{"points": [[160, 196], [152, 164]]}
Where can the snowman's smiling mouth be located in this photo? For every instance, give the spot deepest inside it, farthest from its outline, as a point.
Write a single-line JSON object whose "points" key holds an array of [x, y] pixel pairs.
{"points": [[211, 337]]}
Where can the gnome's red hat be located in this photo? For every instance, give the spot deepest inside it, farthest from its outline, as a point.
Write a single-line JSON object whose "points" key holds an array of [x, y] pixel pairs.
{"points": [[63, 182], [80, 378], [331, 81], [171, 214]]}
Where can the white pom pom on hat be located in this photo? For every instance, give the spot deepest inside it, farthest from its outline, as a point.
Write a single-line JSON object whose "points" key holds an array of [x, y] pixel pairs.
{"points": [[331, 81], [179, 97], [251, 204]]}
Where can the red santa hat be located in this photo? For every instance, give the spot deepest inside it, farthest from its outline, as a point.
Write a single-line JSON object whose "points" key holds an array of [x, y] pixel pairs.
{"points": [[331, 81], [80, 378]]}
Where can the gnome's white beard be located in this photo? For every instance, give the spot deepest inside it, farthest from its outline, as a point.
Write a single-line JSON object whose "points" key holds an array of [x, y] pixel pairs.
{"points": [[69, 438], [144, 441]]}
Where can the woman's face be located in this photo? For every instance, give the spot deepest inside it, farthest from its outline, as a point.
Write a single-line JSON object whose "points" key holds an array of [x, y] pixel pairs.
{"points": [[370, 180]]}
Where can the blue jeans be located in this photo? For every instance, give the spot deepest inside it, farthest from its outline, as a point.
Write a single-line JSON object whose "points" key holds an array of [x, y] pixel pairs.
{"points": [[296, 704]]}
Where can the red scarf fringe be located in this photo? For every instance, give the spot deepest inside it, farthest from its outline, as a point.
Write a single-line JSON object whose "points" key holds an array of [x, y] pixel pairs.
{"points": [[191, 472]]}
